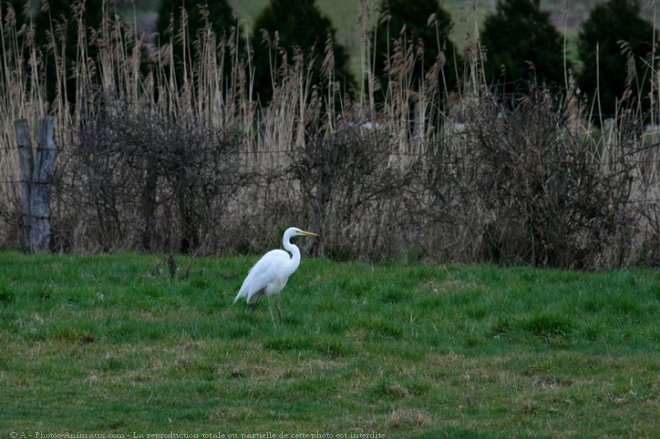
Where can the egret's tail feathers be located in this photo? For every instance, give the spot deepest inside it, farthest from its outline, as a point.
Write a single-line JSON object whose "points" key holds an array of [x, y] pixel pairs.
{"points": [[239, 296]]}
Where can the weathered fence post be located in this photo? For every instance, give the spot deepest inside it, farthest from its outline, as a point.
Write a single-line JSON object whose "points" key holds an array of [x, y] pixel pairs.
{"points": [[26, 165], [36, 174]]}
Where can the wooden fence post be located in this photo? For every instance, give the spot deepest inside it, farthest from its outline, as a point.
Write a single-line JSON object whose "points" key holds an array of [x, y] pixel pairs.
{"points": [[36, 174], [26, 161]]}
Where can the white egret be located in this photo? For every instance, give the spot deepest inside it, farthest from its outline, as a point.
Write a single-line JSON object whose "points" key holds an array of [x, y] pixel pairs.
{"points": [[270, 274]]}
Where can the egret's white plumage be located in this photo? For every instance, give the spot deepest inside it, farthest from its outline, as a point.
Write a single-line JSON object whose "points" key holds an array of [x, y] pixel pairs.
{"points": [[270, 274]]}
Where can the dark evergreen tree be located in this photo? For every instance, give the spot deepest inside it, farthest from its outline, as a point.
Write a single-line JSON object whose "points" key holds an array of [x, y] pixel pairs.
{"points": [[414, 17], [298, 23], [170, 21], [601, 41], [523, 48], [56, 12], [20, 10], [220, 16], [67, 15]]}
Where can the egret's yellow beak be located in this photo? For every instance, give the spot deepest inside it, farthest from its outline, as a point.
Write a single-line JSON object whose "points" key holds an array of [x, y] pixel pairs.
{"points": [[305, 233]]}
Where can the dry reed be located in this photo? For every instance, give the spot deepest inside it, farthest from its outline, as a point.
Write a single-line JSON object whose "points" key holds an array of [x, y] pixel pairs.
{"points": [[170, 152]]}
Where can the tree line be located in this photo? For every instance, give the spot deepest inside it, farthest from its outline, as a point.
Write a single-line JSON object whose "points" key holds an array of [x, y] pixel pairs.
{"points": [[520, 46]]}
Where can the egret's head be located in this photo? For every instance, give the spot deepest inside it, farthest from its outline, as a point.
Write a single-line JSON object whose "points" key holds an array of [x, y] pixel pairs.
{"points": [[294, 231]]}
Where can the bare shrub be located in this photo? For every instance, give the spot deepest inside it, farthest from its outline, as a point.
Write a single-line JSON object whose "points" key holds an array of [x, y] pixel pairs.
{"points": [[150, 180], [354, 192], [448, 209], [552, 198]]}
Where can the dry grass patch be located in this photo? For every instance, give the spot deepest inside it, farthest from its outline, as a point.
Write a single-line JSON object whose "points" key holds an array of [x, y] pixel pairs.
{"points": [[449, 285], [404, 419]]}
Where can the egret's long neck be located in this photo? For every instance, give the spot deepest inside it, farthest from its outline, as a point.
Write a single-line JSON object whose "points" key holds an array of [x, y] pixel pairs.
{"points": [[295, 254]]}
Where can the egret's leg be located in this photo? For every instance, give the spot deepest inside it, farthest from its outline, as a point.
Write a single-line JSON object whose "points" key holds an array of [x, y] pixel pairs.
{"points": [[279, 308], [270, 308]]}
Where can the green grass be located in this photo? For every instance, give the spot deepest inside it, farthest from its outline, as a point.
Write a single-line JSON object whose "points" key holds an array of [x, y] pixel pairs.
{"points": [[113, 344]]}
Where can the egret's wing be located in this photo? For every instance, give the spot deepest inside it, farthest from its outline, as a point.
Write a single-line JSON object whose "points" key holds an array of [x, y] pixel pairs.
{"points": [[262, 273], [265, 271]]}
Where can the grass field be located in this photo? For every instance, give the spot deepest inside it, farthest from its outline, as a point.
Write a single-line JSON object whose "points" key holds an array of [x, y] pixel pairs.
{"points": [[113, 344]]}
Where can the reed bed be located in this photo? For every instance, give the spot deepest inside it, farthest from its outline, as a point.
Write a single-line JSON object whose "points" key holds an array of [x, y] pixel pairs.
{"points": [[174, 153]]}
